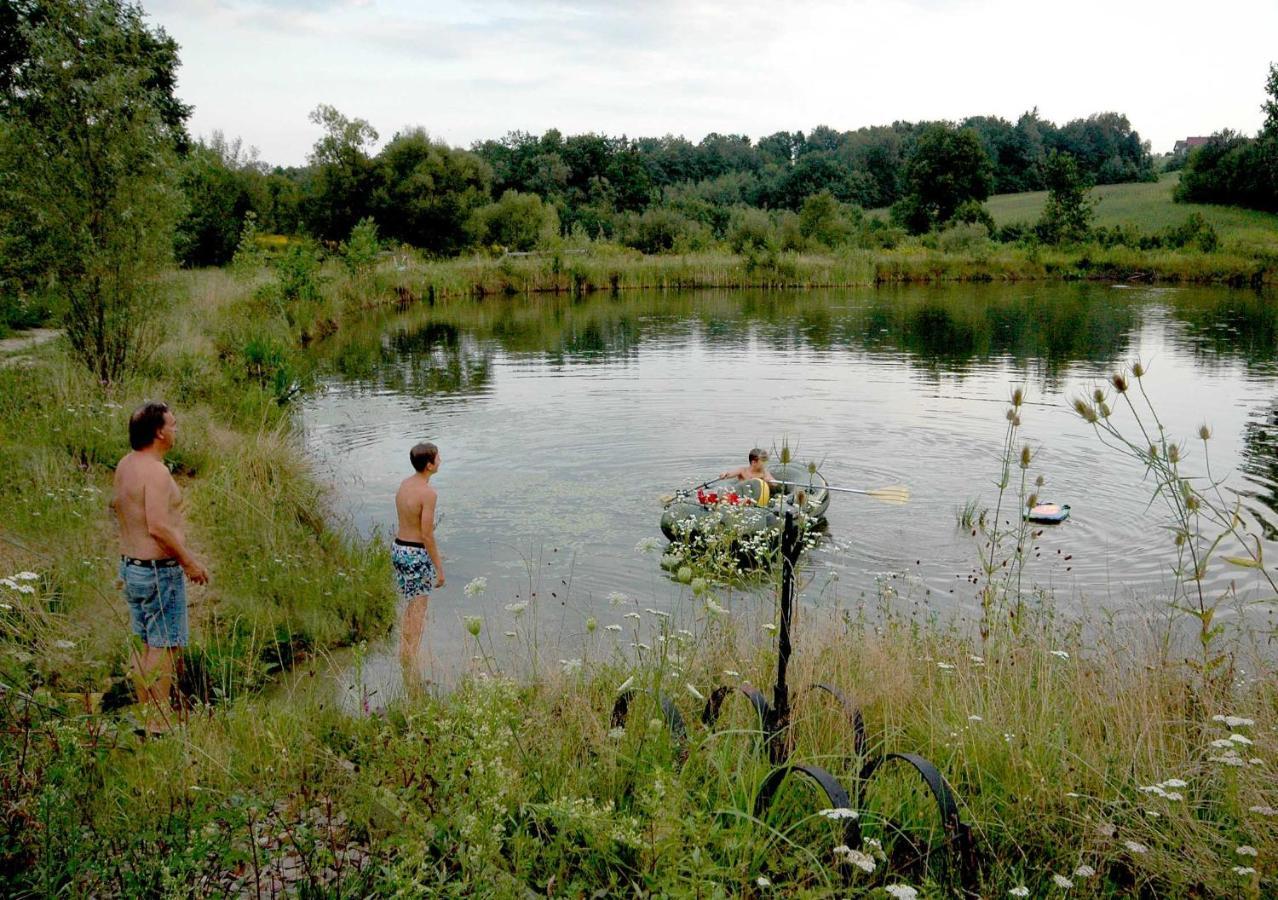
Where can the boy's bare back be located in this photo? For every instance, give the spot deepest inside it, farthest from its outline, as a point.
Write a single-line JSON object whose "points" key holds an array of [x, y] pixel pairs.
{"points": [[413, 497]]}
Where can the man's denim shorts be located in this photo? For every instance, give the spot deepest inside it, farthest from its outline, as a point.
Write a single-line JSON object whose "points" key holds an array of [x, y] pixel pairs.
{"points": [[157, 603]]}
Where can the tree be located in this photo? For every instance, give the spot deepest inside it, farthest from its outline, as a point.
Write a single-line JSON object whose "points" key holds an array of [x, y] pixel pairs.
{"points": [[342, 181], [1067, 215], [948, 167], [427, 191], [89, 128], [1270, 106]]}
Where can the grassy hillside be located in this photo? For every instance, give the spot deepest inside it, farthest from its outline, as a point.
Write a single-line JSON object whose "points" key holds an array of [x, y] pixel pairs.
{"points": [[1150, 207]]}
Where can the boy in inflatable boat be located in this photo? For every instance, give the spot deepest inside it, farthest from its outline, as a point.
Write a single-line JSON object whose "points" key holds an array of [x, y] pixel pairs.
{"points": [[758, 468]]}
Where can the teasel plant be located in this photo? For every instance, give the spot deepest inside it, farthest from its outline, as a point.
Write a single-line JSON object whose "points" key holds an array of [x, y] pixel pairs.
{"points": [[1202, 515], [1006, 541]]}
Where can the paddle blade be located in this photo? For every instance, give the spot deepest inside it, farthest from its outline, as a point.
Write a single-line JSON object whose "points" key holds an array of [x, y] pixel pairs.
{"points": [[898, 494]]}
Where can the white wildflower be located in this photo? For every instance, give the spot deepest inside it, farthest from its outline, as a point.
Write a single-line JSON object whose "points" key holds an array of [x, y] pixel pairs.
{"points": [[862, 861], [1234, 721], [715, 607], [1174, 783], [1135, 847], [9, 583], [1255, 761], [731, 673], [658, 613], [1174, 796], [1222, 744], [683, 632], [625, 685], [647, 545], [517, 608], [632, 615], [27, 576], [1263, 810], [1084, 871], [475, 586], [1061, 654], [25, 589], [5, 606], [769, 627], [945, 667], [64, 644], [570, 665], [975, 719], [839, 812], [977, 660], [616, 598], [1019, 891], [473, 624], [1062, 882], [612, 628], [1244, 870], [617, 733], [1228, 759], [1246, 850], [762, 882], [902, 892], [696, 694], [1241, 739]]}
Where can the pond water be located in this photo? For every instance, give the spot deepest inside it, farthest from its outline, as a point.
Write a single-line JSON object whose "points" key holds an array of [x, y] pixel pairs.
{"points": [[563, 421]]}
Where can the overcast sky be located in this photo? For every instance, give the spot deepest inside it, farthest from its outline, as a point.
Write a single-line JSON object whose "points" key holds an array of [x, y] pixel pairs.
{"points": [[473, 70]]}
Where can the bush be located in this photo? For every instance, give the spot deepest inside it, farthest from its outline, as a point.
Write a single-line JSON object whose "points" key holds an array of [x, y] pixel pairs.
{"points": [[520, 222], [359, 254], [751, 231], [963, 238], [663, 230]]}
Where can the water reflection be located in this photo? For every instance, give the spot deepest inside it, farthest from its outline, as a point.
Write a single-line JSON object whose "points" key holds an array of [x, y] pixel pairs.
{"points": [[1260, 463]]}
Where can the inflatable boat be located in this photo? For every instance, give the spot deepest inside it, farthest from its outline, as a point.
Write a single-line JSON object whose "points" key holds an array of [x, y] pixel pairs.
{"points": [[742, 509]]}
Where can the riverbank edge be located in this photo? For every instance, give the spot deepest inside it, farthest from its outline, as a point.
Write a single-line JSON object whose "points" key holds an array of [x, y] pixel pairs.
{"points": [[616, 269]]}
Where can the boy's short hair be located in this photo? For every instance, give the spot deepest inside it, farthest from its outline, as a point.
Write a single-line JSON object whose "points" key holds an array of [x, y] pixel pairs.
{"points": [[145, 424], [423, 455], [756, 454]]}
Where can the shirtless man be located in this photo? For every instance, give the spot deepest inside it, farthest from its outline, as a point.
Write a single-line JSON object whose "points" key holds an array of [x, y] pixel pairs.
{"points": [[154, 557], [758, 468], [415, 555]]}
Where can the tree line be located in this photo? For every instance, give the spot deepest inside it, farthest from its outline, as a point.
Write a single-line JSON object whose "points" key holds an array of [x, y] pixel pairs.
{"points": [[513, 190]]}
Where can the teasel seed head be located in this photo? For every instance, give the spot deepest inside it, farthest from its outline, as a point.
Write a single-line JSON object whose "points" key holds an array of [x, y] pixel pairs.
{"points": [[1204, 433], [1026, 456], [1119, 381]]}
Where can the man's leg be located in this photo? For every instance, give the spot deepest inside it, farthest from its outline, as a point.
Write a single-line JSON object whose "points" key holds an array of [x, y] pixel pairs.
{"points": [[153, 680], [410, 638]]}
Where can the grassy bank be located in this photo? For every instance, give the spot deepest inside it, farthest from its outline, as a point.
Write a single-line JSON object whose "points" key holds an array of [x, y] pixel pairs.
{"points": [[1088, 761], [284, 580]]}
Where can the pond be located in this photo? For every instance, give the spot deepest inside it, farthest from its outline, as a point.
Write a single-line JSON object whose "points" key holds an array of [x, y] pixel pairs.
{"points": [[562, 421]]}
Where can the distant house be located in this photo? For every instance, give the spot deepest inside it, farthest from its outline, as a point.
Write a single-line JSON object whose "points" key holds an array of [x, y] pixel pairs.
{"points": [[1183, 147]]}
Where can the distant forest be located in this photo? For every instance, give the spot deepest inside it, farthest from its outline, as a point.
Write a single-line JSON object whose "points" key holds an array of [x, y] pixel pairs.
{"points": [[512, 190]]}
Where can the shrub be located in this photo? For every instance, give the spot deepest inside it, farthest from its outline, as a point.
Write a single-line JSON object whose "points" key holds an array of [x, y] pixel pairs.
{"points": [[751, 231], [520, 222]]}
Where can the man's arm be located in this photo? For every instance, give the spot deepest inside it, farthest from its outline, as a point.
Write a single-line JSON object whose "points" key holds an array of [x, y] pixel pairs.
{"points": [[428, 535], [157, 503]]}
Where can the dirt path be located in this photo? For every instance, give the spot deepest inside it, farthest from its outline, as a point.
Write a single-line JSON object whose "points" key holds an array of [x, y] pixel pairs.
{"points": [[24, 341]]}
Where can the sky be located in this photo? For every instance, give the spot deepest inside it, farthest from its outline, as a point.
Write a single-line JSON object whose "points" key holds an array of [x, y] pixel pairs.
{"points": [[467, 71]]}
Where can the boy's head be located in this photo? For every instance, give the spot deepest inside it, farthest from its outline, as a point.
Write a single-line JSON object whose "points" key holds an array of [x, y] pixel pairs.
{"points": [[423, 456], [758, 456]]}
